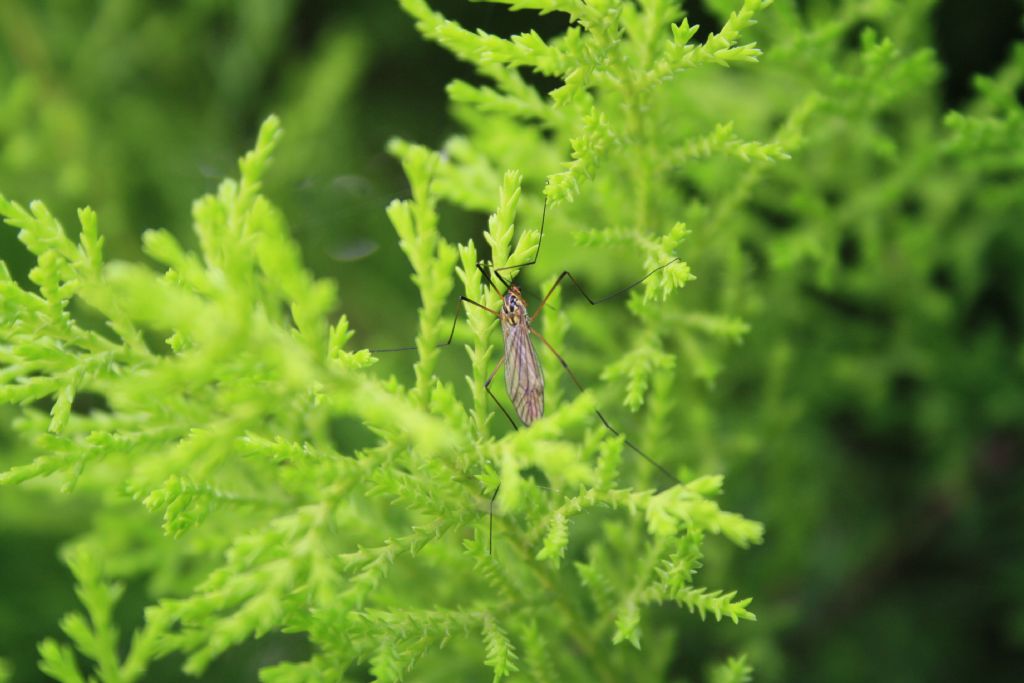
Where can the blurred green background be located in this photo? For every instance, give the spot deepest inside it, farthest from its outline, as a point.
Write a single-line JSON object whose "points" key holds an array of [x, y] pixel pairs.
{"points": [[880, 560]]}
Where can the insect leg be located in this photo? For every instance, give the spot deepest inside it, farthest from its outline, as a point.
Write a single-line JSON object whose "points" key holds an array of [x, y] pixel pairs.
{"points": [[536, 254], [487, 386], [594, 302], [490, 521], [490, 510], [604, 421], [481, 266], [451, 334]]}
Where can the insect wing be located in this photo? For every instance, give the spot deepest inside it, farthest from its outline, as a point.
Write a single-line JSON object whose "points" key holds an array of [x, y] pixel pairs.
{"points": [[524, 379]]}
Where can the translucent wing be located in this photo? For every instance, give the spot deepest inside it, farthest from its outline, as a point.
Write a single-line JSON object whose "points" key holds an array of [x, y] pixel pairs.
{"points": [[524, 379]]}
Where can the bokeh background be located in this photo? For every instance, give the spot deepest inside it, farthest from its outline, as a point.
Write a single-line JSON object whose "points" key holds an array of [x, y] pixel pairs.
{"points": [[881, 561]]}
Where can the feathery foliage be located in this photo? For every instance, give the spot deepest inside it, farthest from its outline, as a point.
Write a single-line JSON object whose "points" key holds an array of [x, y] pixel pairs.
{"points": [[220, 378], [832, 226]]}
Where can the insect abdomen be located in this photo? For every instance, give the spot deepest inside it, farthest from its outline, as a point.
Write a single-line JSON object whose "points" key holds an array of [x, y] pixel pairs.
{"points": [[524, 379]]}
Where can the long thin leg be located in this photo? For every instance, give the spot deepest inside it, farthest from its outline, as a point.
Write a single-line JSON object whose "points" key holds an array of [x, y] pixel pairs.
{"points": [[508, 285], [487, 386], [602, 417], [594, 302], [490, 512], [540, 241], [490, 521], [451, 334], [481, 266]]}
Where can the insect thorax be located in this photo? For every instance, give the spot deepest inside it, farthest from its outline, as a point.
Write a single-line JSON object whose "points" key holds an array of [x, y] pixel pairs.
{"points": [[513, 309]]}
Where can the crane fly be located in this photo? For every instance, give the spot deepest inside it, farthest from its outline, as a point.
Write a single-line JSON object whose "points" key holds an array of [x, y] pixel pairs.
{"points": [[524, 378]]}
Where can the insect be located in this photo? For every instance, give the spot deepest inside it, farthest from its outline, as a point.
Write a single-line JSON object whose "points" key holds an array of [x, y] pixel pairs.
{"points": [[524, 378]]}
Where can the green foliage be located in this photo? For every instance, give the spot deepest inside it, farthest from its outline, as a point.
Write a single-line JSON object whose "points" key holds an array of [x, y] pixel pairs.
{"points": [[95, 637], [95, 103], [223, 432], [735, 670], [245, 462]]}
